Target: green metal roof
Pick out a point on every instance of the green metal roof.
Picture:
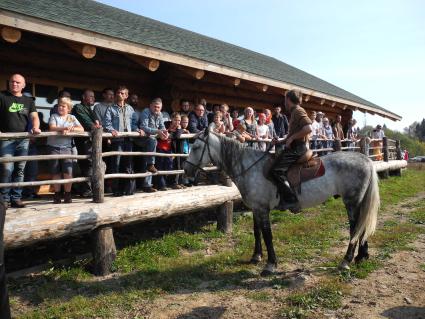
(117, 23)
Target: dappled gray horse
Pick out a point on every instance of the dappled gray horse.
(349, 175)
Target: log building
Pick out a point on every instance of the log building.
(77, 44)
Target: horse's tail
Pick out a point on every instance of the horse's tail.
(368, 215)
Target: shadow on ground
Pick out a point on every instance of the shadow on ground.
(204, 313)
(405, 312)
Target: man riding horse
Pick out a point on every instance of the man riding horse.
(295, 147)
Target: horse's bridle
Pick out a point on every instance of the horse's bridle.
(207, 147)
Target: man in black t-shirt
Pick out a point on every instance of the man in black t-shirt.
(16, 113)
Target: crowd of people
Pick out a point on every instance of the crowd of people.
(119, 111)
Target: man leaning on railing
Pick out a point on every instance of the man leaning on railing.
(17, 112)
(118, 119)
(88, 120)
(148, 123)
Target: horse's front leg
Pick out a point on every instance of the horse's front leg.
(258, 249)
(266, 230)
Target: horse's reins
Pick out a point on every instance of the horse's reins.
(207, 147)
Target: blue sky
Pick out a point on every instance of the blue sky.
(375, 49)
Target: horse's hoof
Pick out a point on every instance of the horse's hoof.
(344, 265)
(359, 259)
(269, 270)
(255, 259)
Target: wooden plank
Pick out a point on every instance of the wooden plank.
(9, 159)
(53, 29)
(44, 221)
(47, 182)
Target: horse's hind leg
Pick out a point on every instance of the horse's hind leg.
(258, 249)
(363, 252)
(349, 255)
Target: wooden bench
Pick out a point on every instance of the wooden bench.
(43, 220)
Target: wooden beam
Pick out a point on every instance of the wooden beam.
(11, 35)
(24, 227)
(193, 73)
(150, 64)
(236, 82)
(333, 104)
(306, 98)
(263, 87)
(322, 101)
(86, 50)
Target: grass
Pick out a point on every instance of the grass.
(208, 260)
(327, 294)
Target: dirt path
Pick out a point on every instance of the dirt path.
(396, 291)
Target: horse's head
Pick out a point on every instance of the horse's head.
(199, 155)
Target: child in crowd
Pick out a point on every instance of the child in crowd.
(227, 120)
(184, 149)
(65, 123)
(240, 132)
(167, 147)
(263, 131)
(217, 126)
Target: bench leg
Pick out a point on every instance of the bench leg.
(104, 250)
(225, 217)
(383, 174)
(396, 172)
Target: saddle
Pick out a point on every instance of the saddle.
(307, 167)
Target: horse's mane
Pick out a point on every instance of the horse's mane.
(233, 151)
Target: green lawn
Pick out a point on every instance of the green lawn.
(210, 260)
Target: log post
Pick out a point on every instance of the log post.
(104, 250)
(337, 145)
(397, 172)
(11, 35)
(385, 149)
(98, 167)
(225, 211)
(4, 298)
(398, 150)
(364, 148)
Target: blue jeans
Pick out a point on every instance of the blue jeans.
(13, 172)
(146, 144)
(164, 164)
(122, 164)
